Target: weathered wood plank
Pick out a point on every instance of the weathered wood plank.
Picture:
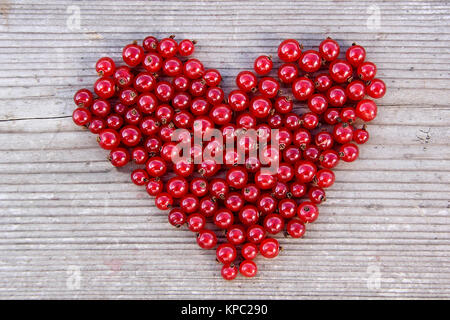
(63, 209)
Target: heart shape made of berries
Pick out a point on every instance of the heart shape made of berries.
(248, 162)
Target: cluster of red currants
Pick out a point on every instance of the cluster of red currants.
(140, 105)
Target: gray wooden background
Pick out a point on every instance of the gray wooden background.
(71, 226)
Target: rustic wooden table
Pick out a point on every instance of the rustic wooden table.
(74, 227)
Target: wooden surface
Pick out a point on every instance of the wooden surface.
(73, 227)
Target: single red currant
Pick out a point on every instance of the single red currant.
(167, 47)
(81, 116)
(154, 187)
(349, 152)
(263, 65)
(249, 215)
(226, 253)
(323, 82)
(329, 49)
(336, 96)
(223, 218)
(212, 77)
(139, 177)
(329, 159)
(105, 88)
(156, 167)
(177, 187)
(287, 208)
(105, 67)
(376, 89)
(305, 171)
(123, 77)
(133, 54)
(310, 61)
(269, 248)
(229, 272)
(302, 88)
(83, 98)
(317, 103)
(273, 223)
(177, 217)
(186, 47)
(289, 50)
(307, 212)
(366, 110)
(119, 157)
(108, 139)
(355, 55)
(236, 234)
(287, 72)
(249, 251)
(343, 132)
(340, 71)
(193, 69)
(195, 222)
(325, 178)
(238, 100)
(246, 81)
(256, 233)
(206, 239)
(361, 136)
(150, 44)
(316, 195)
(295, 228)
(367, 71)
(163, 201)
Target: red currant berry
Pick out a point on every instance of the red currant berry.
(343, 132)
(336, 96)
(214, 95)
(114, 121)
(172, 67)
(183, 119)
(250, 193)
(177, 217)
(164, 91)
(212, 77)
(340, 71)
(267, 204)
(104, 88)
(186, 47)
(302, 138)
(269, 248)
(81, 116)
(329, 49)
(246, 121)
(101, 108)
(139, 177)
(184, 167)
(280, 191)
(305, 171)
(310, 120)
(324, 140)
(295, 228)
(366, 110)
(289, 50)
(249, 251)
(287, 208)
(283, 105)
(196, 222)
(163, 201)
(329, 159)
(355, 90)
(307, 212)
(156, 167)
(83, 98)
(260, 106)
(139, 155)
(317, 103)
(193, 69)
(167, 47)
(229, 272)
(133, 54)
(238, 100)
(237, 178)
(199, 187)
(152, 62)
(316, 195)
(130, 135)
(376, 89)
(105, 67)
(292, 121)
(150, 44)
(226, 253)
(361, 136)
(96, 125)
(108, 139)
(302, 88)
(154, 187)
(297, 189)
(311, 153)
(325, 178)
(269, 87)
(246, 81)
(149, 126)
(234, 201)
(208, 207)
(180, 83)
(198, 88)
(292, 154)
(331, 116)
(206, 239)
(236, 234)
(199, 106)
(355, 55)
(128, 96)
(310, 61)
(119, 157)
(349, 152)
(367, 71)
(273, 223)
(285, 172)
(323, 82)
(189, 203)
(348, 114)
(223, 218)
(256, 233)
(263, 65)
(123, 77)
(177, 187)
(249, 215)
(287, 72)
(265, 180)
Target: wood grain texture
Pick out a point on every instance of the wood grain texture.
(65, 214)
